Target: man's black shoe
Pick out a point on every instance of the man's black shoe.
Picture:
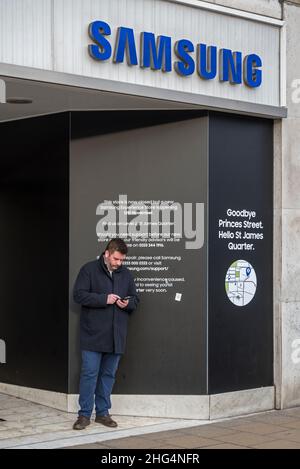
(106, 420)
(81, 423)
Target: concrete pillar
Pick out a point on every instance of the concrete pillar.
(290, 210)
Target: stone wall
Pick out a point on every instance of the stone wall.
(290, 291)
(262, 7)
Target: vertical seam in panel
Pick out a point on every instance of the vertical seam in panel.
(69, 245)
(207, 252)
(52, 35)
(282, 61)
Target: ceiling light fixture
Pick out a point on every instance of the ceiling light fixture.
(19, 101)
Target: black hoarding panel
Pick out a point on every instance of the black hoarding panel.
(34, 197)
(240, 253)
(135, 184)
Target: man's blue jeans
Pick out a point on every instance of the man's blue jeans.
(97, 378)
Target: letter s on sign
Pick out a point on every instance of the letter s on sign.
(296, 353)
(101, 50)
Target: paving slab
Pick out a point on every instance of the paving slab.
(28, 425)
(32, 426)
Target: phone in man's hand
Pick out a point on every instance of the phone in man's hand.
(125, 298)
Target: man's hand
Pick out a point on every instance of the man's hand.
(122, 303)
(112, 298)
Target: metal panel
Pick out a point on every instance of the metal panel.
(169, 335)
(34, 181)
(72, 17)
(53, 35)
(240, 321)
(25, 32)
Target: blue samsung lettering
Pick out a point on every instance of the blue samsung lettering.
(125, 42)
(97, 31)
(252, 74)
(157, 56)
(207, 61)
(187, 64)
(231, 66)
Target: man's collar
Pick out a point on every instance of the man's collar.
(107, 266)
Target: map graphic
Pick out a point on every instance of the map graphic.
(240, 283)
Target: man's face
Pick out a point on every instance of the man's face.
(114, 259)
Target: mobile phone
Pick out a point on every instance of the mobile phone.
(125, 298)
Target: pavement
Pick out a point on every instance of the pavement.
(26, 425)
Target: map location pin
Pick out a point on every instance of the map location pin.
(248, 271)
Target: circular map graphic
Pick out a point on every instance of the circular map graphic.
(240, 283)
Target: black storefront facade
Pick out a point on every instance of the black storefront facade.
(191, 190)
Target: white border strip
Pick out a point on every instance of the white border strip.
(283, 66)
(3, 101)
(201, 101)
(229, 11)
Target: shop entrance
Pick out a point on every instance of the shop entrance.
(204, 325)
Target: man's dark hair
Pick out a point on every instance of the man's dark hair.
(117, 244)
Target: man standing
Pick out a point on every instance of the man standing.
(107, 294)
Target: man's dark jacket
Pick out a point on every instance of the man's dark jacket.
(103, 327)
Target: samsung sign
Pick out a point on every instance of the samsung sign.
(207, 61)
